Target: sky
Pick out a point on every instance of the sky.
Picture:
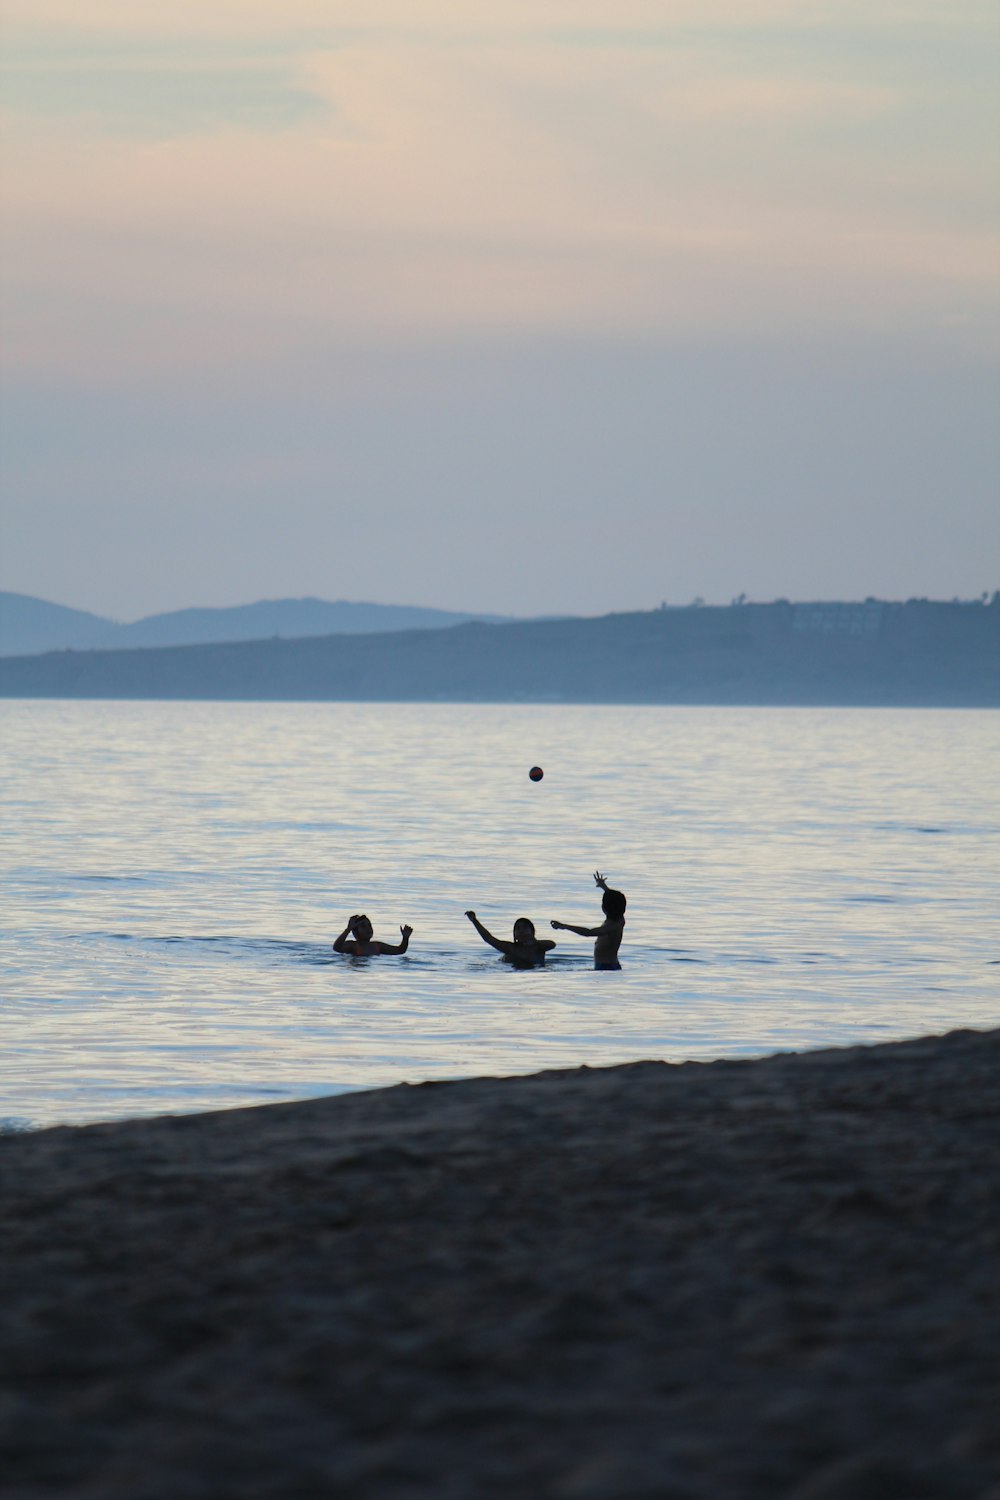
(565, 306)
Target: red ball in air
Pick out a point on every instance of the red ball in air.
(536, 773)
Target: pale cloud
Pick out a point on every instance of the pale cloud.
(339, 169)
(149, 97)
(248, 17)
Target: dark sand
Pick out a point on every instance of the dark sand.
(776, 1279)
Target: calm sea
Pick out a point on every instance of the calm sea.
(175, 872)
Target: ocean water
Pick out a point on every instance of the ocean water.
(174, 874)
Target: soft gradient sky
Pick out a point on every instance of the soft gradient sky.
(570, 305)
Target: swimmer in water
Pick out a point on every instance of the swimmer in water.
(609, 934)
(364, 945)
(525, 952)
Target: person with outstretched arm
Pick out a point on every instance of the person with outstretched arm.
(609, 935)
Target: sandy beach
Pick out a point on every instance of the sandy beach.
(775, 1279)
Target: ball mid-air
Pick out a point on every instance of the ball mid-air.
(536, 773)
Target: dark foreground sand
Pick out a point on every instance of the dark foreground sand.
(776, 1279)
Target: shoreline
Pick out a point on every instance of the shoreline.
(772, 1277)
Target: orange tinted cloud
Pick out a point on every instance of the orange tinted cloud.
(475, 183)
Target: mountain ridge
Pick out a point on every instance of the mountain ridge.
(919, 654)
(30, 626)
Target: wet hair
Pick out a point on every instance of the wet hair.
(613, 904)
(524, 922)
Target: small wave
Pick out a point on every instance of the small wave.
(949, 830)
(292, 826)
(98, 936)
(276, 948)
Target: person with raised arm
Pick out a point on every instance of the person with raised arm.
(525, 952)
(609, 935)
(364, 944)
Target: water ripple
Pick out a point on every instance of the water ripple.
(795, 878)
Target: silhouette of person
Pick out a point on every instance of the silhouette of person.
(525, 952)
(609, 934)
(364, 945)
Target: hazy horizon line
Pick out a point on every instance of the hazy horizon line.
(985, 596)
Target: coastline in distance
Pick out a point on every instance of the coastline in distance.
(874, 654)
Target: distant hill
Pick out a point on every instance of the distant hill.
(29, 625)
(918, 654)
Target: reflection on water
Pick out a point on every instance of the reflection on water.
(177, 872)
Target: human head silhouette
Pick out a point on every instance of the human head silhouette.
(613, 904)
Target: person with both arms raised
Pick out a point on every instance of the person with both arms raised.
(364, 944)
